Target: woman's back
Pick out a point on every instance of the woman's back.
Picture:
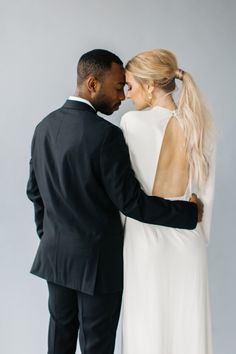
(157, 150)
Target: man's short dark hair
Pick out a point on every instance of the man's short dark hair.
(96, 63)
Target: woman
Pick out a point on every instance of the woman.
(165, 304)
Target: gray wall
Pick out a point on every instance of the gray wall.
(41, 42)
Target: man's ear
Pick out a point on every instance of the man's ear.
(92, 84)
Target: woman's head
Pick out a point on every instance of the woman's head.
(150, 75)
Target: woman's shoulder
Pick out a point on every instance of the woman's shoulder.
(128, 118)
(134, 116)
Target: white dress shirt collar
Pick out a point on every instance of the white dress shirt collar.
(79, 99)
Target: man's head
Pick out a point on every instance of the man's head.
(101, 80)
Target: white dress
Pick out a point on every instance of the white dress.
(165, 301)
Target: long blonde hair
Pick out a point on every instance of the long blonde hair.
(161, 66)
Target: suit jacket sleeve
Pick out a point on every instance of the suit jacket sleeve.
(125, 192)
(34, 195)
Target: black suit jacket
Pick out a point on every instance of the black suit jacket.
(80, 177)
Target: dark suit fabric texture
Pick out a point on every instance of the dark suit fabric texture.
(80, 177)
(95, 318)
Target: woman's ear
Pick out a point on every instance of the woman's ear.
(150, 86)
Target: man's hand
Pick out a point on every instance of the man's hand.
(200, 206)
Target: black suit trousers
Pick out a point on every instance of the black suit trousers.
(93, 317)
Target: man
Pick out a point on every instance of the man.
(80, 177)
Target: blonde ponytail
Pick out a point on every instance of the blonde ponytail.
(197, 124)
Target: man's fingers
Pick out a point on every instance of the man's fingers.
(193, 198)
(200, 206)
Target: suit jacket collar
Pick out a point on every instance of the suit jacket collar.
(80, 106)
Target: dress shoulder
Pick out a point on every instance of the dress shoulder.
(132, 117)
(127, 116)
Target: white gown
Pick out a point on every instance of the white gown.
(165, 301)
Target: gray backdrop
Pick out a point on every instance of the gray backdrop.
(41, 42)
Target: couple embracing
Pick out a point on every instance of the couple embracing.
(84, 171)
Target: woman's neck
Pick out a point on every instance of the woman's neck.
(164, 100)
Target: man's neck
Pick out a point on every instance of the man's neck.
(77, 97)
(81, 94)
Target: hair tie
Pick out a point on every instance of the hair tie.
(179, 73)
